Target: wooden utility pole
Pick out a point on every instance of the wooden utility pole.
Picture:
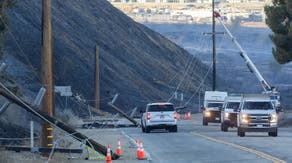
(96, 80)
(47, 73)
(214, 46)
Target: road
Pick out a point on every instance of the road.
(197, 143)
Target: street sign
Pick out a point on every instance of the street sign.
(64, 90)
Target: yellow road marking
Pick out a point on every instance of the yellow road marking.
(261, 154)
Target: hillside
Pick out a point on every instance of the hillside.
(136, 62)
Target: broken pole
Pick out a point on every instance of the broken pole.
(124, 114)
(96, 81)
(47, 73)
(55, 122)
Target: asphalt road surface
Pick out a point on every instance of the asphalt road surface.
(196, 143)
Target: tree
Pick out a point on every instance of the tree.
(279, 17)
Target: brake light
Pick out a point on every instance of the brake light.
(175, 116)
(148, 116)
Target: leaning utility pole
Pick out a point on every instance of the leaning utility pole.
(96, 80)
(47, 73)
(214, 46)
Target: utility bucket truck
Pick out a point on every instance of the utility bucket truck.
(213, 103)
(271, 91)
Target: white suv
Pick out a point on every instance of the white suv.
(159, 115)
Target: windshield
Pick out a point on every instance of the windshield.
(258, 106)
(215, 105)
(232, 105)
(159, 108)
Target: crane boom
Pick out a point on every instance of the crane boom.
(274, 94)
(243, 54)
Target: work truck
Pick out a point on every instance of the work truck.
(257, 114)
(213, 103)
(229, 112)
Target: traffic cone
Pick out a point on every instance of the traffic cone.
(119, 149)
(178, 116)
(189, 115)
(141, 155)
(138, 148)
(108, 155)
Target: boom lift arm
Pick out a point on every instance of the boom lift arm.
(244, 55)
(275, 97)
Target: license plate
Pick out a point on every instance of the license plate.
(162, 117)
(259, 125)
(216, 118)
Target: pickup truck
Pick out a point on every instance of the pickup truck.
(229, 112)
(159, 116)
(257, 114)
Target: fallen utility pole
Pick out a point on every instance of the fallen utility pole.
(124, 114)
(55, 122)
(41, 149)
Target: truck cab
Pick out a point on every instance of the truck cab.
(213, 103)
(229, 112)
(257, 114)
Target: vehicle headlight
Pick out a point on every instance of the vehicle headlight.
(226, 115)
(207, 113)
(244, 118)
(274, 118)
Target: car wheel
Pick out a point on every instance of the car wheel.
(173, 129)
(240, 133)
(274, 134)
(224, 127)
(205, 122)
(147, 129)
(143, 128)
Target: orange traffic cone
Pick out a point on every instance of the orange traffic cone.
(141, 155)
(189, 115)
(119, 149)
(138, 148)
(108, 155)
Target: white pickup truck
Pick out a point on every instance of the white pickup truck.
(159, 116)
(229, 112)
(257, 114)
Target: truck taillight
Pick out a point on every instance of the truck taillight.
(175, 116)
(148, 116)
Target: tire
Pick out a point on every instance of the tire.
(143, 128)
(224, 127)
(147, 129)
(240, 133)
(205, 122)
(274, 134)
(173, 129)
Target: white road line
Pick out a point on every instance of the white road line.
(134, 142)
(261, 154)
